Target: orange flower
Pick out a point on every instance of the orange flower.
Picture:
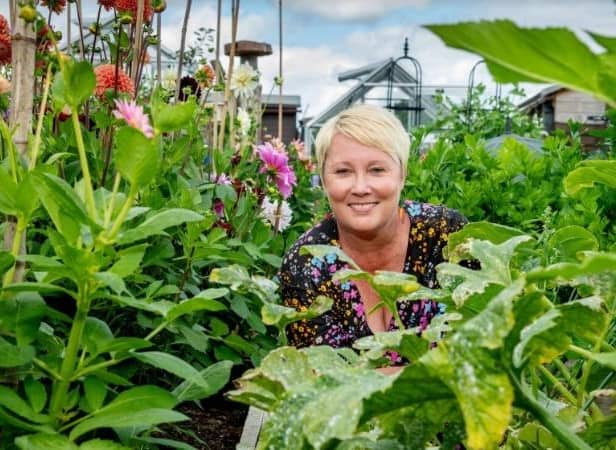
(106, 79)
(56, 6)
(5, 41)
(205, 76)
(130, 6)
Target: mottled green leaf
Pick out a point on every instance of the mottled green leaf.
(485, 231)
(551, 334)
(593, 263)
(495, 267)
(281, 316)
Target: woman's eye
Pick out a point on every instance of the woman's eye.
(377, 169)
(341, 171)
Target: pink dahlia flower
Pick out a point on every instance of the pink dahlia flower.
(276, 164)
(134, 116)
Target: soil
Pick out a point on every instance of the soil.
(215, 425)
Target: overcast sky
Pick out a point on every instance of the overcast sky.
(322, 38)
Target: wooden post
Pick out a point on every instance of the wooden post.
(22, 103)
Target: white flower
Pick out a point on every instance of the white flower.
(168, 80)
(244, 80)
(244, 119)
(269, 210)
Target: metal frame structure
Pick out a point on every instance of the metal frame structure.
(416, 108)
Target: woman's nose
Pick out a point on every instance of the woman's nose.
(360, 184)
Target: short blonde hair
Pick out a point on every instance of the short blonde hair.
(369, 125)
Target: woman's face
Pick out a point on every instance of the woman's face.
(363, 185)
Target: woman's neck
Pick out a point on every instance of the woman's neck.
(384, 250)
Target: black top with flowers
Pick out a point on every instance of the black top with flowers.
(304, 277)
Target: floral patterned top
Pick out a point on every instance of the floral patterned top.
(304, 277)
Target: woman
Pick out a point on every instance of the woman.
(362, 156)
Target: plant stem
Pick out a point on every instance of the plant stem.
(42, 365)
(39, 126)
(123, 213)
(83, 160)
(111, 206)
(60, 388)
(557, 428)
(157, 330)
(557, 384)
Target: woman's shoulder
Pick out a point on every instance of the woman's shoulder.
(420, 211)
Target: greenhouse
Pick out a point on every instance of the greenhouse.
(307, 225)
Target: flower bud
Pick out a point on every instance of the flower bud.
(27, 13)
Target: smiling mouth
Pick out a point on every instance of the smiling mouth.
(362, 207)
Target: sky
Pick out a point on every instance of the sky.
(322, 38)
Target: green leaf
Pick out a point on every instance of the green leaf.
(26, 198)
(36, 394)
(137, 157)
(121, 345)
(95, 392)
(607, 42)
(590, 172)
(95, 333)
(405, 342)
(63, 205)
(10, 400)
(44, 441)
(174, 365)
(131, 408)
(6, 261)
(140, 418)
(514, 54)
(172, 117)
(215, 377)
(204, 301)
(129, 260)
(157, 223)
(8, 193)
(161, 307)
(593, 263)
(79, 82)
(607, 359)
(570, 240)
(13, 355)
(27, 310)
(239, 280)
(111, 280)
(100, 444)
